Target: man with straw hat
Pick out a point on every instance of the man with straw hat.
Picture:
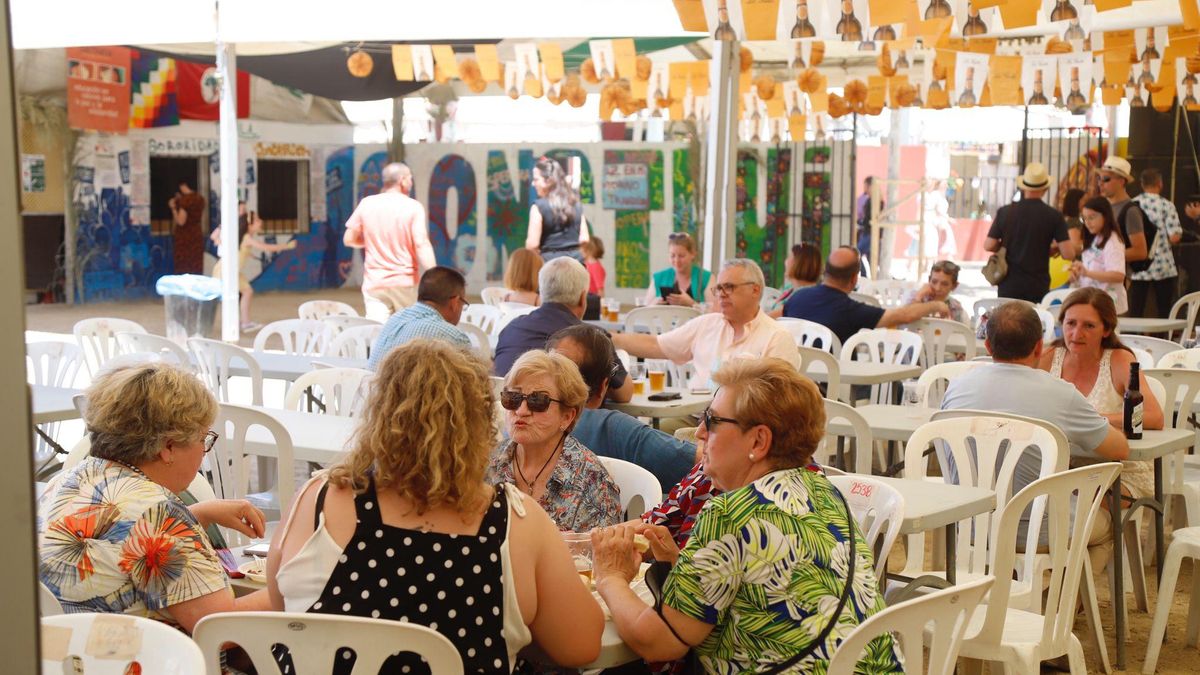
(1115, 177)
(1024, 231)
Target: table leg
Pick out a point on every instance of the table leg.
(952, 553)
(1118, 582)
(1159, 536)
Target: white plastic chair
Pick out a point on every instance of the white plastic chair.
(493, 295)
(864, 439)
(639, 488)
(354, 343)
(878, 510)
(1181, 480)
(932, 384)
(1184, 358)
(338, 323)
(1185, 543)
(812, 334)
(882, 345)
(507, 317)
(340, 390)
(519, 308)
(316, 310)
(936, 333)
(147, 343)
(865, 299)
(305, 337)
(1022, 639)
(890, 292)
(315, 641)
(948, 610)
(481, 342)
(769, 296)
(48, 605)
(227, 465)
(984, 305)
(659, 319)
(96, 337)
(52, 364)
(1143, 357)
(160, 649)
(213, 360)
(1189, 306)
(1052, 301)
(827, 363)
(485, 317)
(1049, 325)
(1157, 347)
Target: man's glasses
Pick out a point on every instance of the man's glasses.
(210, 439)
(538, 401)
(1105, 179)
(465, 302)
(727, 288)
(710, 420)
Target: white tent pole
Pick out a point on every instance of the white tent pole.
(227, 74)
(721, 166)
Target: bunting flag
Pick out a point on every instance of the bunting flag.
(152, 98)
(198, 91)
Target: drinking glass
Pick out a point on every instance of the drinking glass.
(911, 396)
(580, 546)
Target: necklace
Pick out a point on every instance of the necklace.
(131, 468)
(530, 483)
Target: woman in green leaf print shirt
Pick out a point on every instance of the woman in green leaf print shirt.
(765, 568)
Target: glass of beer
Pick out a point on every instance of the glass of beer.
(580, 546)
(637, 373)
(657, 374)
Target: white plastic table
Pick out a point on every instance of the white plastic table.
(868, 373)
(280, 366)
(315, 438)
(53, 404)
(888, 422)
(1149, 325)
(641, 405)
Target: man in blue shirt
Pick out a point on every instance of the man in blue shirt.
(441, 298)
(610, 433)
(563, 285)
(829, 303)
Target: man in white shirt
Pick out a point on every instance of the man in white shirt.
(739, 329)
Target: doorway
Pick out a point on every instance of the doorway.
(165, 174)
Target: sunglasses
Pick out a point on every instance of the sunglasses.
(1105, 179)
(538, 401)
(945, 266)
(710, 420)
(210, 439)
(677, 236)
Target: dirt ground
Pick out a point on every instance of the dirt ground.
(1175, 656)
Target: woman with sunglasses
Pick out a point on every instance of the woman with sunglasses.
(113, 533)
(774, 562)
(543, 397)
(684, 282)
(408, 528)
(943, 279)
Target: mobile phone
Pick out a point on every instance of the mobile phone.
(666, 291)
(665, 396)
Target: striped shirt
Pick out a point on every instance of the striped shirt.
(414, 323)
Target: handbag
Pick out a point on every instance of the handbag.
(656, 577)
(997, 267)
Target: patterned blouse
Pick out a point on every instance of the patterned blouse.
(678, 511)
(579, 495)
(111, 540)
(1165, 217)
(765, 566)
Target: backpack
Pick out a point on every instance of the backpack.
(1150, 230)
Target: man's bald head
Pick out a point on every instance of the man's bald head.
(841, 270)
(394, 173)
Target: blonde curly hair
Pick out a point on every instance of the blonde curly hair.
(132, 411)
(771, 392)
(427, 430)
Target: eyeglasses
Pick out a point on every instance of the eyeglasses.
(538, 401)
(210, 439)
(727, 288)
(1105, 179)
(710, 420)
(465, 302)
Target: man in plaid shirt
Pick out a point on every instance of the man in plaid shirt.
(1162, 276)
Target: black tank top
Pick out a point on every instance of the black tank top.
(556, 234)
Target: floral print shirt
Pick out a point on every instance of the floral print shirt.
(580, 494)
(765, 566)
(111, 540)
(1165, 217)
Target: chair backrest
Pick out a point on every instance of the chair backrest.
(1049, 324)
(306, 337)
(111, 644)
(865, 299)
(1052, 301)
(826, 363)
(316, 310)
(1143, 357)
(659, 319)
(1157, 347)
(485, 317)
(48, 605)
(52, 364)
(146, 343)
(639, 489)
(982, 450)
(213, 360)
(864, 439)
(96, 337)
(769, 296)
(1189, 307)
(226, 466)
(883, 345)
(338, 323)
(355, 342)
(481, 342)
(340, 390)
(937, 334)
(878, 510)
(1180, 389)
(493, 295)
(1184, 358)
(1072, 502)
(984, 305)
(506, 317)
(315, 641)
(812, 334)
(519, 308)
(949, 610)
(889, 292)
(932, 384)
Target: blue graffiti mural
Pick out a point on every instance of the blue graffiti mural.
(453, 172)
(116, 260)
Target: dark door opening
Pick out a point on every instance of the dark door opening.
(165, 174)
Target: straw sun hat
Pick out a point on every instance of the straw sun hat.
(1035, 177)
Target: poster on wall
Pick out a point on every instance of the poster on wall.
(33, 173)
(626, 186)
(633, 248)
(98, 88)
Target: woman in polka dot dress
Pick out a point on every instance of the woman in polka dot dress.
(406, 529)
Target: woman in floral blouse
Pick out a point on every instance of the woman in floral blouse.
(543, 397)
(765, 567)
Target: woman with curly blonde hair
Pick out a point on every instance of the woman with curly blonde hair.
(405, 528)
